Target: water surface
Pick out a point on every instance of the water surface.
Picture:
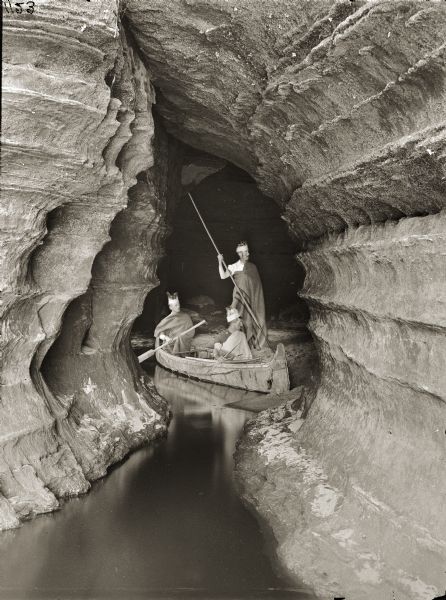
(167, 523)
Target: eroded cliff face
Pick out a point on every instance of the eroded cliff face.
(72, 147)
(363, 514)
(337, 109)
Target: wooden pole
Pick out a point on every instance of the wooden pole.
(150, 353)
(248, 308)
(232, 349)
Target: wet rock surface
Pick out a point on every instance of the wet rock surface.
(72, 148)
(354, 491)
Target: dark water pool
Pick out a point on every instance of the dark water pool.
(167, 523)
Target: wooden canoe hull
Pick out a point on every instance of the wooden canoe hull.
(267, 376)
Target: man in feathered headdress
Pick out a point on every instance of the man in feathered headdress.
(247, 292)
(174, 324)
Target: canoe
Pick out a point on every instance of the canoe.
(171, 385)
(266, 375)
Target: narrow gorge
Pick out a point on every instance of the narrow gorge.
(331, 115)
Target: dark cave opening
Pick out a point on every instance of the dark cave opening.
(233, 209)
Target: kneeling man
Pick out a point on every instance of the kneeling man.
(232, 344)
(174, 324)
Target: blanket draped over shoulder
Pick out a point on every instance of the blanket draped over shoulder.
(236, 346)
(250, 286)
(173, 325)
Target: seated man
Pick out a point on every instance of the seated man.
(174, 324)
(232, 344)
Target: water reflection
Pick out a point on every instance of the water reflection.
(166, 523)
(200, 405)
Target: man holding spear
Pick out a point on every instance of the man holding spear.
(247, 296)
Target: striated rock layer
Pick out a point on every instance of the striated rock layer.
(72, 147)
(336, 108)
(355, 491)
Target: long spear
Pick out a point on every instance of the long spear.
(150, 353)
(248, 308)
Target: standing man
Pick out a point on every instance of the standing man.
(247, 291)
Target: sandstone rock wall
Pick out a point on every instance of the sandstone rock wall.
(363, 516)
(336, 108)
(71, 149)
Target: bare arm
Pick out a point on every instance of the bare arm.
(224, 273)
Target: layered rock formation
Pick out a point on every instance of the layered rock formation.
(326, 104)
(337, 109)
(71, 149)
(363, 515)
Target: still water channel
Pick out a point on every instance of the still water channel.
(167, 523)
